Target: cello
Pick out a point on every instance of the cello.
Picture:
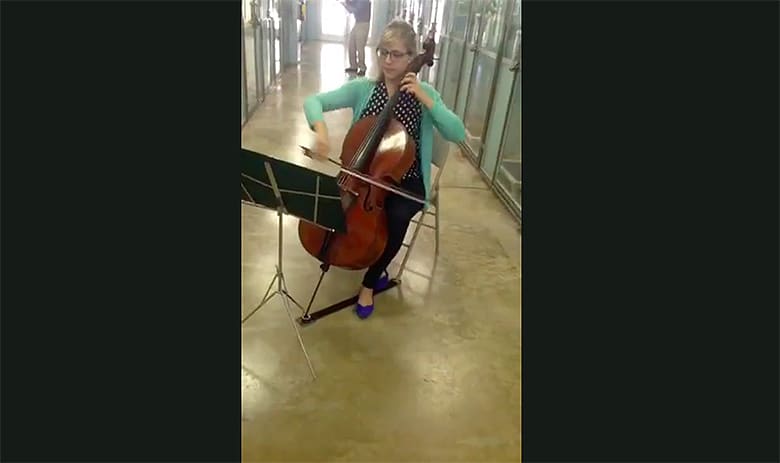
(376, 153)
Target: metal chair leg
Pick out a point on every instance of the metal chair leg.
(436, 217)
(410, 246)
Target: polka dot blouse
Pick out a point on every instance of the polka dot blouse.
(408, 112)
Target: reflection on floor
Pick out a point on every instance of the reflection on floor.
(434, 374)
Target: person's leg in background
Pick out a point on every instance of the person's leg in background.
(352, 49)
(360, 37)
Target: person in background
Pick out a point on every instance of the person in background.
(420, 109)
(361, 10)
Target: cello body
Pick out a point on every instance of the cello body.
(363, 203)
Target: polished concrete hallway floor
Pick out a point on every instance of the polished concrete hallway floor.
(434, 374)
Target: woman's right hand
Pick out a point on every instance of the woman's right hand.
(321, 142)
(321, 146)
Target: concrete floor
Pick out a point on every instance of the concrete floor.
(434, 374)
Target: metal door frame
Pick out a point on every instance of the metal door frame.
(516, 66)
(505, 196)
(244, 93)
(259, 62)
(269, 22)
(515, 209)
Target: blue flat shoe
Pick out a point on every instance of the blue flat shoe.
(364, 311)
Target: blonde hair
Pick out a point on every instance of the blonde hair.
(399, 30)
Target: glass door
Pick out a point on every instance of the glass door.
(276, 23)
(266, 68)
(509, 173)
(467, 61)
(508, 67)
(250, 68)
(289, 33)
(244, 102)
(442, 42)
(426, 24)
(257, 33)
(454, 40)
(435, 23)
(482, 61)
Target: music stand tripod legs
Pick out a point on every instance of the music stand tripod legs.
(281, 290)
(296, 191)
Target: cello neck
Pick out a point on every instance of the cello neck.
(374, 136)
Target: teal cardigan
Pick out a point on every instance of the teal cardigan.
(355, 94)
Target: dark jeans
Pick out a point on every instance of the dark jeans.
(400, 212)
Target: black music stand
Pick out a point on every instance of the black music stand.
(293, 190)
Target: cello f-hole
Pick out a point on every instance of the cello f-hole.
(367, 202)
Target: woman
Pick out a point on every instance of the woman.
(419, 109)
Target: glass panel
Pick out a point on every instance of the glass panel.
(246, 8)
(492, 22)
(460, 19)
(438, 16)
(476, 109)
(267, 65)
(278, 45)
(452, 71)
(414, 12)
(510, 173)
(445, 6)
(249, 57)
(259, 61)
(498, 114)
(395, 8)
(464, 86)
(410, 11)
(243, 81)
(513, 32)
(274, 14)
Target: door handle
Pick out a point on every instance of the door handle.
(515, 67)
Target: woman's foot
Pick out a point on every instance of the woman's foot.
(384, 282)
(365, 303)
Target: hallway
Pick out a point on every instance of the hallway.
(434, 374)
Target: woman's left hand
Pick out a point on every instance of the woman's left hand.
(409, 84)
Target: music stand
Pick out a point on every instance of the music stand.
(292, 190)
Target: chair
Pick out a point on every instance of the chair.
(440, 152)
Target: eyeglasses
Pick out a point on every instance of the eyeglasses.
(394, 55)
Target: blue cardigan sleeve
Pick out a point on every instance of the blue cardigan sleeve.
(342, 97)
(446, 122)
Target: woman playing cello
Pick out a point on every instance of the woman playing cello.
(419, 110)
